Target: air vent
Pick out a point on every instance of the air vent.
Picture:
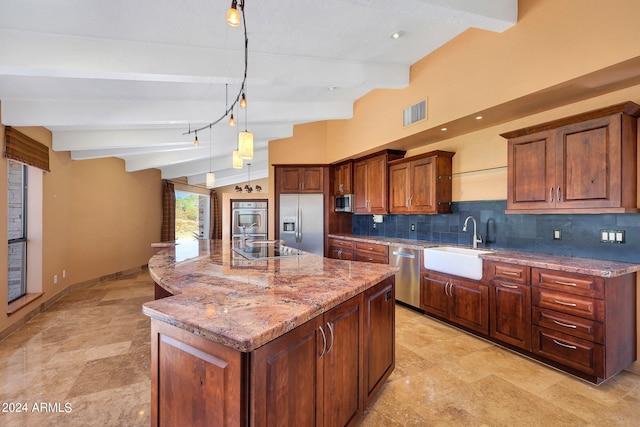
(415, 113)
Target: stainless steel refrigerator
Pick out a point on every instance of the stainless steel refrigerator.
(302, 222)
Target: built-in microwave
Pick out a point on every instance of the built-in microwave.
(343, 203)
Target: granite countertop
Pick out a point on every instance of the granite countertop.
(244, 304)
(588, 266)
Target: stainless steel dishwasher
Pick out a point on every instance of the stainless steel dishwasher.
(408, 278)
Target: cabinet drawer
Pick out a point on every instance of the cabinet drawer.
(340, 253)
(508, 272)
(372, 257)
(372, 247)
(340, 243)
(572, 325)
(566, 282)
(571, 304)
(576, 353)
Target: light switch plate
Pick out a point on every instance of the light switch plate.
(557, 234)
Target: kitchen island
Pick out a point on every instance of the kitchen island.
(294, 339)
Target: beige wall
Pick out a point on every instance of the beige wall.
(97, 220)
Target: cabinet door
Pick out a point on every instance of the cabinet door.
(343, 396)
(312, 180)
(510, 317)
(342, 179)
(531, 171)
(423, 186)
(588, 162)
(360, 204)
(379, 333)
(377, 184)
(399, 188)
(434, 297)
(288, 371)
(470, 305)
(289, 181)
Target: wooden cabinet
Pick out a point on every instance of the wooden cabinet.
(342, 178)
(300, 179)
(194, 381)
(461, 301)
(509, 303)
(345, 248)
(371, 252)
(379, 332)
(323, 373)
(370, 182)
(584, 323)
(421, 184)
(341, 249)
(581, 164)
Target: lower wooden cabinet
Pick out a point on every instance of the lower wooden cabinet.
(509, 303)
(347, 249)
(464, 302)
(322, 373)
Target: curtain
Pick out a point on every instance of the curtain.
(215, 217)
(23, 149)
(168, 233)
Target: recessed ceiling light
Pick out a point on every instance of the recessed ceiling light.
(397, 35)
(331, 88)
(443, 129)
(478, 117)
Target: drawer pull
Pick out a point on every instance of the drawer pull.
(566, 325)
(572, 347)
(558, 282)
(510, 273)
(568, 304)
(504, 285)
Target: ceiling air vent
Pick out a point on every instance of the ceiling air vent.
(415, 113)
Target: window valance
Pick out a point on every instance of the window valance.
(24, 149)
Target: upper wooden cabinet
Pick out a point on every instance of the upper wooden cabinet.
(581, 164)
(421, 184)
(300, 179)
(370, 182)
(342, 178)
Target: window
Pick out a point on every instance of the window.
(17, 229)
(192, 216)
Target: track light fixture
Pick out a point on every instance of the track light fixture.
(243, 101)
(232, 121)
(195, 141)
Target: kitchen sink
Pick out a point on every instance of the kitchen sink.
(464, 262)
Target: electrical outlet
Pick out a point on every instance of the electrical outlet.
(413, 227)
(55, 279)
(64, 274)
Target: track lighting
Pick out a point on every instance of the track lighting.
(243, 101)
(233, 16)
(195, 141)
(232, 121)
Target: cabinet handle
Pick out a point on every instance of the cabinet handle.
(504, 285)
(339, 253)
(330, 330)
(324, 342)
(566, 325)
(559, 194)
(572, 347)
(550, 194)
(302, 185)
(387, 296)
(340, 188)
(410, 201)
(558, 282)
(510, 273)
(568, 304)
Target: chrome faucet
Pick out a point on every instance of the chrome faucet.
(244, 232)
(476, 238)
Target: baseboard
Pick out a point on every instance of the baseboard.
(634, 367)
(49, 302)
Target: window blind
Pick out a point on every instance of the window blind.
(24, 149)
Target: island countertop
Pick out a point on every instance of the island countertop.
(244, 304)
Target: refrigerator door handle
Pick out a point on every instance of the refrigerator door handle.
(299, 238)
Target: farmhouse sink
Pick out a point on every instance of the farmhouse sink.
(464, 262)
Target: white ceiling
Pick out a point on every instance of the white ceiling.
(127, 79)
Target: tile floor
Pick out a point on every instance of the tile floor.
(86, 360)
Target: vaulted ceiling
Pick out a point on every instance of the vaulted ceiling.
(128, 79)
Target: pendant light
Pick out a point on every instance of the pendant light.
(195, 141)
(210, 179)
(237, 161)
(233, 16)
(245, 140)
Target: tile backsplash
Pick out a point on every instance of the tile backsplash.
(580, 233)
